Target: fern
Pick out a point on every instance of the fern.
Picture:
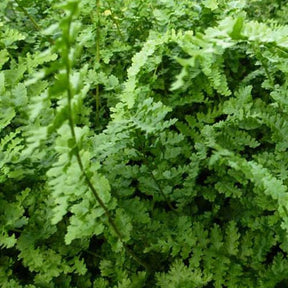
(143, 144)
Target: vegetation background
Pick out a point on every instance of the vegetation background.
(143, 143)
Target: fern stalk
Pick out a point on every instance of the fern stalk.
(98, 34)
(115, 21)
(32, 20)
(162, 193)
(264, 65)
(80, 162)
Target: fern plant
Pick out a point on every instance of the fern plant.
(154, 159)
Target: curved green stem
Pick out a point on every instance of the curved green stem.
(80, 162)
(115, 22)
(32, 20)
(264, 65)
(157, 184)
(162, 192)
(98, 60)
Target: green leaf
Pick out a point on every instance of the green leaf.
(211, 4)
(237, 29)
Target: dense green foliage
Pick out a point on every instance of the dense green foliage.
(143, 143)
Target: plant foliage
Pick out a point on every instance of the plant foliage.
(143, 144)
